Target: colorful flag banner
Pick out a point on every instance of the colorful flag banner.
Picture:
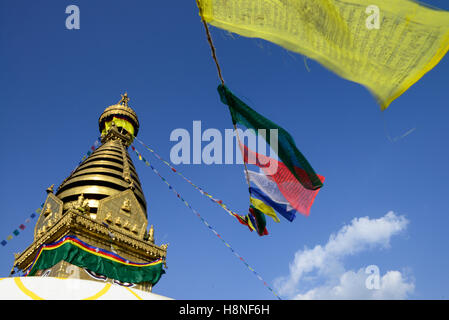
(385, 45)
(243, 221)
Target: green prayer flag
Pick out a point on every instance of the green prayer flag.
(287, 151)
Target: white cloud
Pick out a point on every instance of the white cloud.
(323, 265)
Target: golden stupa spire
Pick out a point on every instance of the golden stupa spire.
(101, 202)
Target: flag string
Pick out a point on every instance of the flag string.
(22, 226)
(89, 152)
(200, 190)
(208, 225)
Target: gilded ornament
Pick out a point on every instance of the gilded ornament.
(126, 225)
(47, 210)
(108, 217)
(151, 234)
(126, 205)
(50, 189)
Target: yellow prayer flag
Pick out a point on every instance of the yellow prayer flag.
(266, 209)
(385, 45)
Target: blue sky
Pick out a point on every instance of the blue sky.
(55, 83)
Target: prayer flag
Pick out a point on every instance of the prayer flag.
(385, 45)
(287, 151)
(264, 208)
(279, 185)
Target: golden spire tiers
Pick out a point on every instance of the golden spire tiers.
(109, 170)
(101, 203)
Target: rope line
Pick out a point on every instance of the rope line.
(211, 44)
(200, 190)
(170, 187)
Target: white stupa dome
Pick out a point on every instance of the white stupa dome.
(49, 288)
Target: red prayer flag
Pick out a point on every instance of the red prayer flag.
(299, 197)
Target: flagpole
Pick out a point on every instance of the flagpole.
(214, 56)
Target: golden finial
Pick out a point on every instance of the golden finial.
(124, 100)
(50, 189)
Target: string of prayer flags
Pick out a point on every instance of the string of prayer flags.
(208, 225)
(243, 220)
(22, 227)
(92, 149)
(386, 46)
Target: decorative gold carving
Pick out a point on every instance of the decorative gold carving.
(151, 234)
(74, 223)
(82, 204)
(47, 210)
(126, 170)
(118, 221)
(126, 225)
(126, 205)
(108, 217)
(53, 207)
(124, 100)
(165, 246)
